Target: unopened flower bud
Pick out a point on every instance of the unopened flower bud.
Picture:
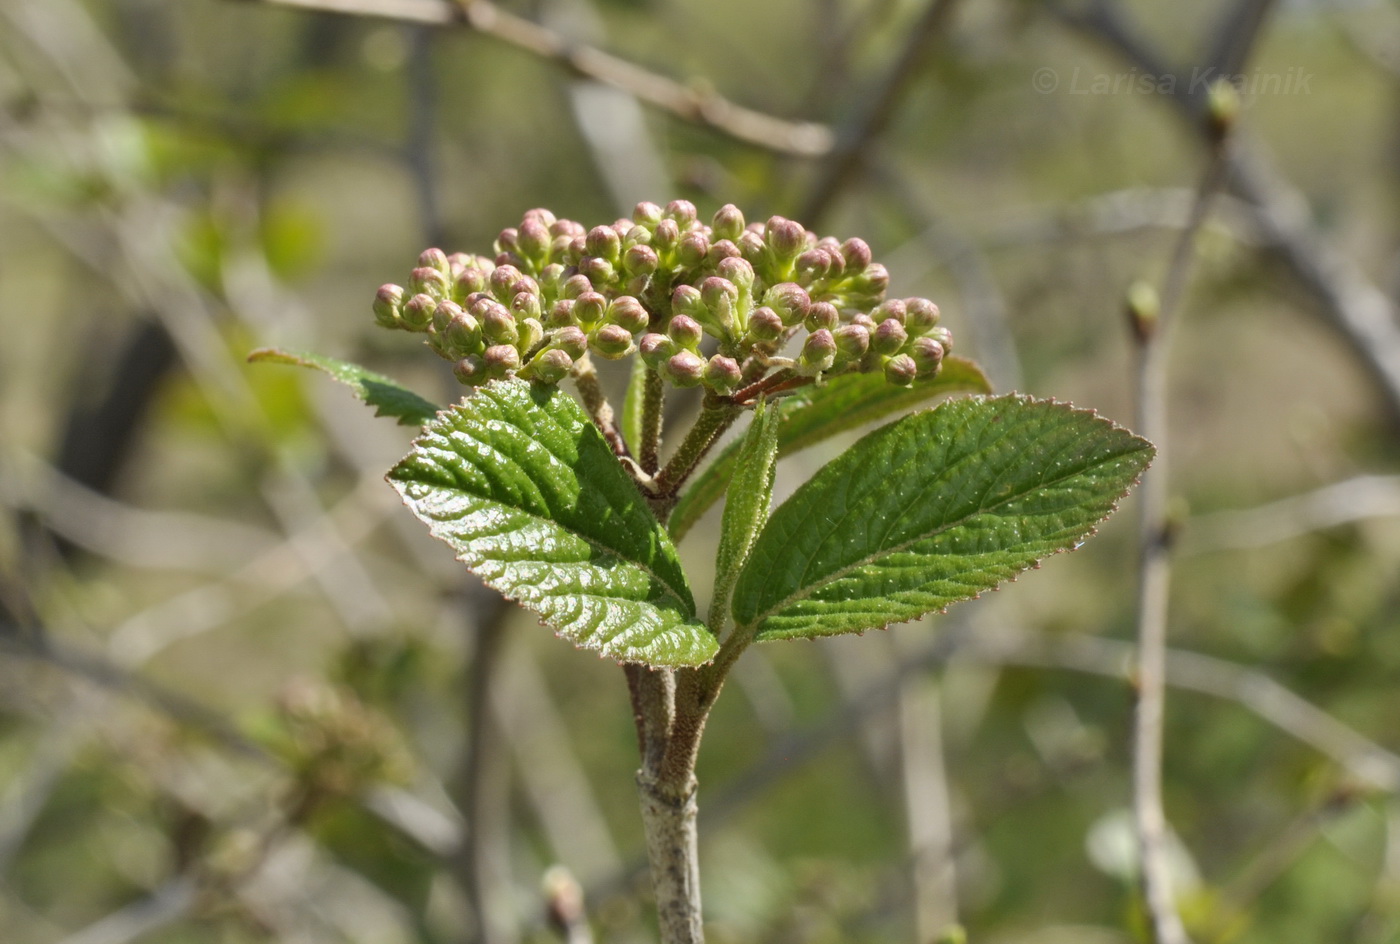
(721, 297)
(548, 366)
(611, 341)
(864, 320)
(928, 356)
(599, 271)
(531, 334)
(682, 211)
(920, 315)
(856, 253)
(822, 315)
(812, 265)
(786, 238)
(685, 331)
(526, 305)
(818, 351)
(738, 271)
(835, 260)
(656, 349)
(604, 243)
(434, 259)
(728, 222)
(889, 336)
(646, 214)
(417, 312)
(576, 285)
(639, 260)
(463, 334)
(723, 249)
(873, 281)
(469, 281)
(571, 340)
(753, 248)
(894, 308)
(852, 341)
(426, 280)
(628, 313)
(636, 236)
(470, 370)
(534, 240)
(686, 300)
(569, 228)
(589, 308)
(764, 325)
(443, 314)
(388, 303)
(497, 324)
(693, 248)
(790, 301)
(944, 337)
(722, 374)
(507, 241)
(561, 313)
(543, 215)
(501, 359)
(666, 235)
(457, 263)
(901, 370)
(684, 369)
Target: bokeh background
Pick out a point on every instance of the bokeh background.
(211, 602)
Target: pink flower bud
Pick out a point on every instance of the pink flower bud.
(612, 342)
(822, 315)
(388, 303)
(684, 369)
(728, 223)
(901, 370)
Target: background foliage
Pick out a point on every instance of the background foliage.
(243, 698)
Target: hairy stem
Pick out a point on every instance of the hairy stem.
(714, 419)
(596, 403)
(653, 393)
(668, 819)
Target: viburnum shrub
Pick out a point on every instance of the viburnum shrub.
(566, 506)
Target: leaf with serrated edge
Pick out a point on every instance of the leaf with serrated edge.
(745, 505)
(817, 413)
(934, 508)
(632, 406)
(386, 396)
(520, 483)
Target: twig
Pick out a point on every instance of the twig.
(692, 102)
(1356, 499)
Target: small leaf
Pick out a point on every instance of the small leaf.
(932, 509)
(632, 406)
(386, 396)
(520, 483)
(817, 413)
(745, 505)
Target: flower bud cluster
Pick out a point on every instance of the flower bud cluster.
(705, 305)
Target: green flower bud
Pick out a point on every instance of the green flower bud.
(686, 300)
(738, 271)
(548, 366)
(388, 303)
(721, 298)
(640, 260)
(818, 352)
(928, 356)
(629, 314)
(576, 285)
(470, 370)
(852, 341)
(552, 280)
(646, 214)
(753, 248)
(665, 237)
(835, 261)
(571, 340)
(603, 243)
(504, 280)
(786, 238)
(682, 211)
(534, 240)
(525, 305)
(469, 281)
(426, 280)
(889, 336)
(921, 315)
(600, 272)
(693, 248)
(722, 374)
(764, 325)
(812, 266)
(901, 370)
(417, 312)
(822, 315)
(944, 337)
(892, 309)
(435, 259)
(589, 309)
(531, 334)
(500, 359)
(790, 301)
(461, 335)
(656, 349)
(684, 369)
(856, 253)
(612, 342)
(507, 242)
(685, 331)
(728, 223)
(497, 324)
(872, 282)
(636, 236)
(723, 249)
(561, 313)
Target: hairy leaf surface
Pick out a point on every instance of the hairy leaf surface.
(932, 509)
(817, 413)
(386, 396)
(520, 483)
(745, 505)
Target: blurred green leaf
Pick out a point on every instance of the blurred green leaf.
(520, 483)
(932, 509)
(746, 504)
(386, 396)
(818, 413)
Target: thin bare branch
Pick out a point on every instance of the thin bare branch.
(1356, 499)
(695, 102)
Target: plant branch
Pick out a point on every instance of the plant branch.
(693, 101)
(653, 399)
(715, 417)
(596, 403)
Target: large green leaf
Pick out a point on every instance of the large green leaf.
(932, 509)
(386, 396)
(816, 413)
(520, 483)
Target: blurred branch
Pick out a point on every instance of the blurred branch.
(869, 120)
(694, 102)
(1356, 499)
(166, 905)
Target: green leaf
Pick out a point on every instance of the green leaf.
(932, 509)
(817, 413)
(745, 505)
(520, 483)
(386, 396)
(632, 406)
